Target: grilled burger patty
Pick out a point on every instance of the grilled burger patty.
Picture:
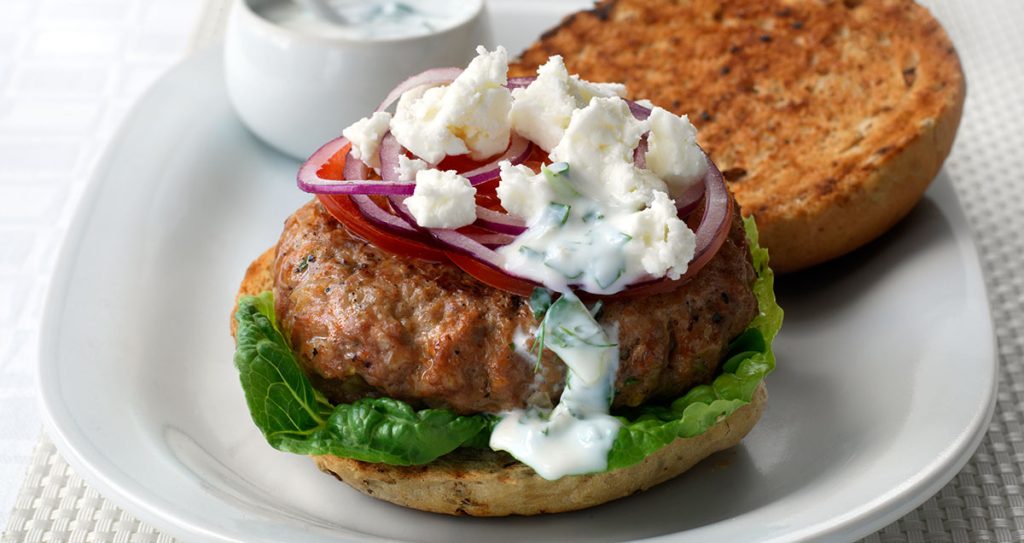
(365, 322)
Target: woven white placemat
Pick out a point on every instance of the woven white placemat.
(69, 72)
(982, 503)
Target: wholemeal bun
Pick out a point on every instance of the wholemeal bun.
(484, 483)
(488, 483)
(829, 119)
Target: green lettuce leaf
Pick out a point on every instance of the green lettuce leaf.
(748, 360)
(294, 417)
(283, 403)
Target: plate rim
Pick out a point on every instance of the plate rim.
(49, 401)
(856, 523)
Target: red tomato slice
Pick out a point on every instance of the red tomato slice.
(345, 211)
(490, 276)
(459, 163)
(334, 168)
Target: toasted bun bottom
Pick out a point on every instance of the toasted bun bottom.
(485, 483)
(491, 484)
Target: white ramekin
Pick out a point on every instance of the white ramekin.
(296, 91)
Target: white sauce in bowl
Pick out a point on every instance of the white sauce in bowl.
(370, 19)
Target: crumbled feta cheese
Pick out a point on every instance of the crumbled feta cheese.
(599, 222)
(588, 89)
(468, 116)
(661, 242)
(523, 193)
(409, 167)
(630, 187)
(420, 126)
(596, 222)
(365, 135)
(541, 111)
(672, 152)
(603, 132)
(599, 145)
(442, 200)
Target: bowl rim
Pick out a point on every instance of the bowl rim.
(242, 10)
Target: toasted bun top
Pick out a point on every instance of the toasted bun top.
(828, 118)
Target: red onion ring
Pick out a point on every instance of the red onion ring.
(440, 76)
(639, 112)
(520, 82)
(714, 224)
(403, 211)
(432, 77)
(354, 168)
(489, 240)
(640, 153)
(389, 151)
(358, 186)
(355, 173)
(518, 150)
(461, 243)
(688, 200)
(382, 218)
(309, 171)
(492, 240)
(502, 223)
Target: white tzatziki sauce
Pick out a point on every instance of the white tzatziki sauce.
(574, 437)
(369, 19)
(596, 220)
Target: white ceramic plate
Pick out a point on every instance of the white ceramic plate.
(884, 387)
